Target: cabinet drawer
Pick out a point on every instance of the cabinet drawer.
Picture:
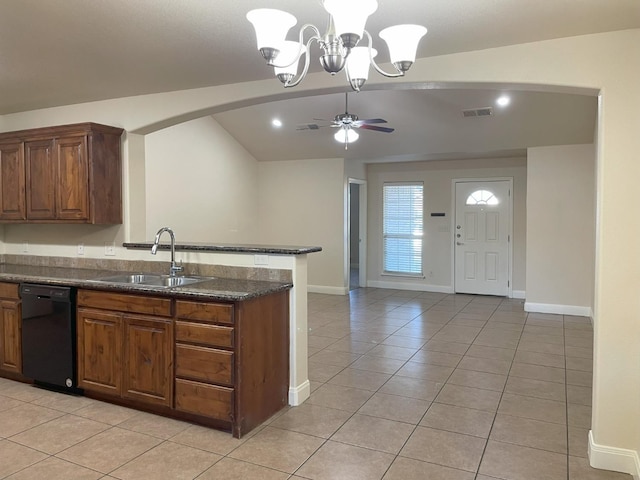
(125, 303)
(206, 364)
(9, 290)
(204, 312)
(213, 335)
(202, 399)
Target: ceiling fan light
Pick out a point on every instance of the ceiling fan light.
(288, 59)
(349, 17)
(346, 135)
(402, 41)
(271, 28)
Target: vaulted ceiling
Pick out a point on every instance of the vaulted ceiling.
(60, 52)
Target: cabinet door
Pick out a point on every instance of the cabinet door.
(100, 351)
(12, 182)
(10, 336)
(148, 360)
(72, 176)
(40, 180)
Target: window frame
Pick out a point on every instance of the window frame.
(411, 271)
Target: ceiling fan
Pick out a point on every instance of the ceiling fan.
(347, 123)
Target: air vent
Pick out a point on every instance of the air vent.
(478, 112)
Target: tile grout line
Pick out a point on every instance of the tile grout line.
(566, 394)
(484, 450)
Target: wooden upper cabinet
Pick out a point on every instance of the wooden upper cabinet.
(72, 178)
(66, 174)
(41, 182)
(12, 182)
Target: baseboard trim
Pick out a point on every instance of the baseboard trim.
(612, 458)
(519, 294)
(327, 290)
(419, 287)
(299, 394)
(557, 309)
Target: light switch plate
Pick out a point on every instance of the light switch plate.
(261, 259)
(81, 249)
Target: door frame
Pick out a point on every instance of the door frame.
(362, 250)
(453, 227)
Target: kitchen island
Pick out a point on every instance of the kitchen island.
(214, 352)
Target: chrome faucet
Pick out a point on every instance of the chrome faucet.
(174, 268)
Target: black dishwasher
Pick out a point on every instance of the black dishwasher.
(49, 335)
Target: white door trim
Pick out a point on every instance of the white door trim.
(363, 232)
(453, 226)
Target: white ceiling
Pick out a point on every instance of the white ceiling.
(428, 124)
(58, 52)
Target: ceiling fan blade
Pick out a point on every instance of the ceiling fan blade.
(308, 126)
(315, 126)
(372, 120)
(377, 129)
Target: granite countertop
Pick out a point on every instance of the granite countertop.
(232, 248)
(213, 288)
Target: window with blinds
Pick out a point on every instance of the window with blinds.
(403, 228)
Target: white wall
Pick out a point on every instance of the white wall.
(202, 183)
(437, 177)
(302, 203)
(560, 229)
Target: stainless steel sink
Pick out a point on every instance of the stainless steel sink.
(129, 278)
(151, 279)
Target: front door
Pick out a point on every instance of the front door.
(482, 236)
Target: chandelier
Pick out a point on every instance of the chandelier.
(340, 45)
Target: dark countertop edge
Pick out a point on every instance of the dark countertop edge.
(190, 291)
(264, 249)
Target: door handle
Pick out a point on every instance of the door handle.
(459, 243)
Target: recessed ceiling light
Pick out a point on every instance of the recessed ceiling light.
(276, 123)
(503, 101)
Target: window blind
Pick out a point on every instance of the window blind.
(403, 207)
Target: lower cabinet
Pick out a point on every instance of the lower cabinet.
(232, 360)
(148, 360)
(99, 351)
(212, 401)
(10, 328)
(123, 354)
(221, 364)
(205, 363)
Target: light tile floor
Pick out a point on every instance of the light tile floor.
(405, 385)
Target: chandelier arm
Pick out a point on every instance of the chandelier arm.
(307, 61)
(301, 43)
(398, 73)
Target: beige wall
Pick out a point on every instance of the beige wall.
(560, 228)
(437, 177)
(302, 203)
(604, 63)
(202, 183)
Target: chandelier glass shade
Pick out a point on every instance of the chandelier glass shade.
(341, 46)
